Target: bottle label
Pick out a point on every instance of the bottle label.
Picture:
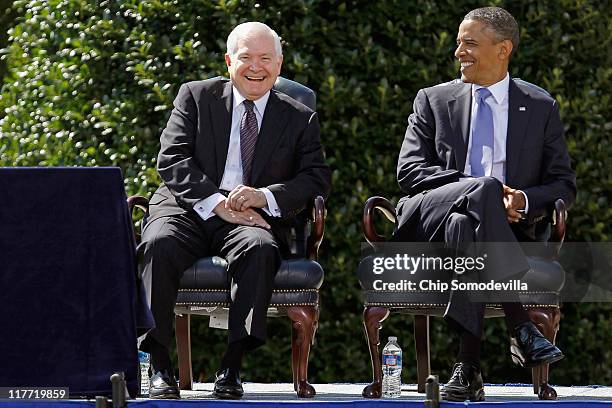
(392, 360)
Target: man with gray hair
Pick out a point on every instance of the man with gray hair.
(482, 160)
(237, 161)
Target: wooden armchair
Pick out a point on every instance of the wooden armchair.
(204, 290)
(543, 308)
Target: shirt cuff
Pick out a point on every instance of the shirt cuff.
(526, 210)
(205, 207)
(272, 208)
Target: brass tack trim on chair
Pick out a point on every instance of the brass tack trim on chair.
(294, 290)
(431, 291)
(497, 305)
(274, 291)
(406, 304)
(203, 290)
(539, 293)
(426, 305)
(396, 291)
(202, 304)
(293, 304)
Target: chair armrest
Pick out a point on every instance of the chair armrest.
(384, 206)
(141, 202)
(318, 228)
(558, 231)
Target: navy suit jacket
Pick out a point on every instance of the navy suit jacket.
(435, 147)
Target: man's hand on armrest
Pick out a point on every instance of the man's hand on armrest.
(514, 202)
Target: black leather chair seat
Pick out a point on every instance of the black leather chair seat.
(206, 283)
(544, 280)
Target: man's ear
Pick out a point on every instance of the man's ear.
(228, 60)
(505, 49)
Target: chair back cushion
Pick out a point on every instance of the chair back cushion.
(297, 91)
(306, 96)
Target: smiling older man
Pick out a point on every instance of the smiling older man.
(237, 160)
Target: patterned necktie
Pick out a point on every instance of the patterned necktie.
(482, 134)
(248, 139)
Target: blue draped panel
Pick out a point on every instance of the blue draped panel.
(67, 280)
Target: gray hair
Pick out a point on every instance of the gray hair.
(499, 21)
(244, 28)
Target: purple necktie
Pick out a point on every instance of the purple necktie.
(482, 133)
(248, 139)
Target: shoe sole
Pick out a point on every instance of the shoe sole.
(518, 360)
(165, 396)
(460, 397)
(456, 397)
(223, 395)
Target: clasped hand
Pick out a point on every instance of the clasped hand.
(238, 207)
(513, 200)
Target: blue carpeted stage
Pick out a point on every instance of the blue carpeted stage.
(364, 404)
(348, 395)
(311, 404)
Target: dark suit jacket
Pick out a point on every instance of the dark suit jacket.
(435, 147)
(288, 157)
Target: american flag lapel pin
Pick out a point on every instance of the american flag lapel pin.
(522, 109)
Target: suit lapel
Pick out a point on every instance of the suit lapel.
(272, 127)
(518, 118)
(221, 114)
(459, 107)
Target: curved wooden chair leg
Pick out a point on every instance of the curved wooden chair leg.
(183, 349)
(295, 357)
(421, 344)
(373, 316)
(536, 378)
(304, 322)
(547, 320)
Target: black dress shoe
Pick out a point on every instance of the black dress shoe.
(228, 384)
(464, 384)
(529, 348)
(162, 385)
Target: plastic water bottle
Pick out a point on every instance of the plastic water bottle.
(392, 369)
(145, 363)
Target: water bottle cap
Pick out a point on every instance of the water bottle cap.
(392, 338)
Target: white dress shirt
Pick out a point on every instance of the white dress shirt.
(498, 103)
(232, 174)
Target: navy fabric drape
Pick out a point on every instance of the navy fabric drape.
(68, 284)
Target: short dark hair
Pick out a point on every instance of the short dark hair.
(500, 21)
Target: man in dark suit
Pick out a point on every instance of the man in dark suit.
(238, 160)
(482, 161)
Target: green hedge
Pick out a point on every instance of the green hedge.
(92, 83)
(7, 16)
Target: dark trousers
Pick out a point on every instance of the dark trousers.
(461, 214)
(172, 244)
